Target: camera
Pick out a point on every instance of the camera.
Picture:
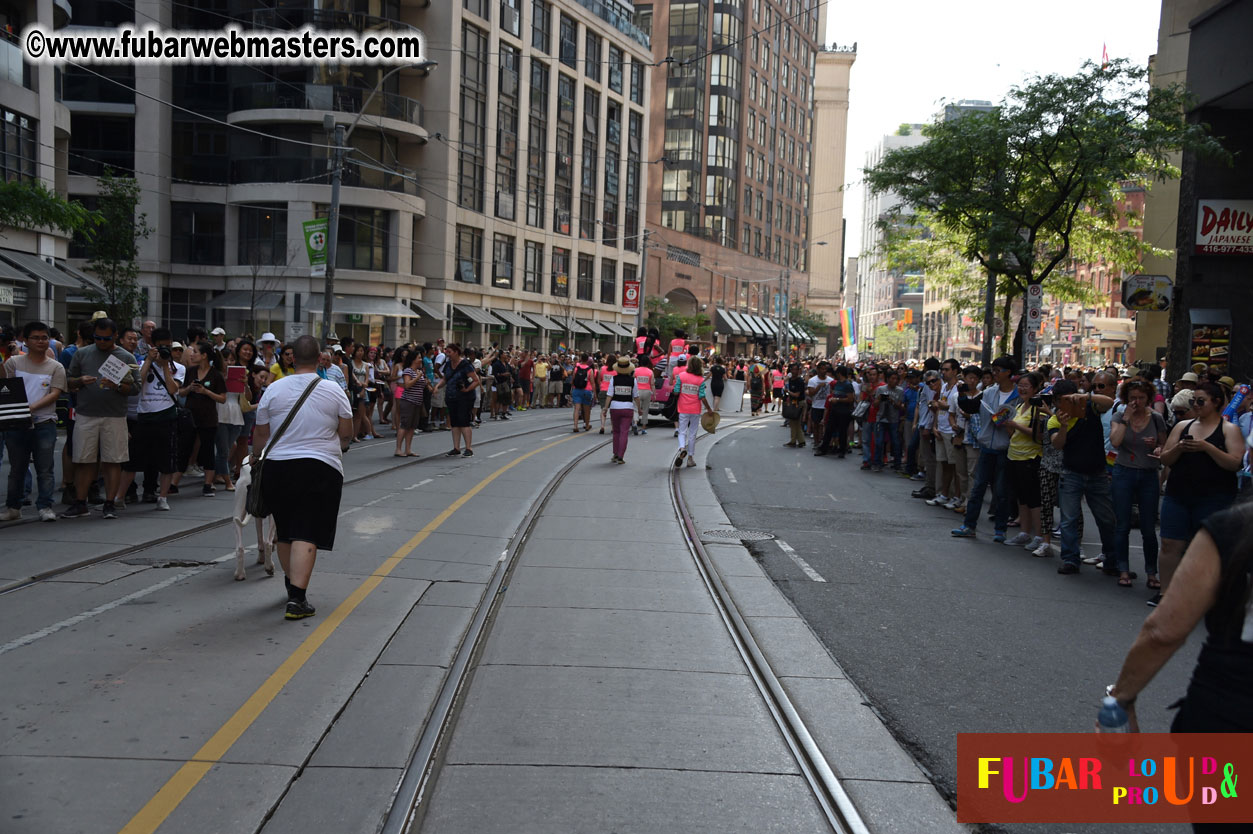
(963, 387)
(164, 351)
(1045, 397)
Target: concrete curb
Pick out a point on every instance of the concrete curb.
(885, 783)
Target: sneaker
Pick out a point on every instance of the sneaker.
(468, 453)
(163, 504)
(679, 460)
(1093, 560)
(150, 498)
(960, 509)
(964, 532)
(298, 610)
(1019, 540)
(938, 501)
(11, 514)
(208, 492)
(368, 437)
(621, 460)
(1034, 544)
(1154, 600)
(998, 538)
(922, 493)
(77, 510)
(865, 465)
(1068, 568)
(110, 510)
(691, 461)
(918, 476)
(645, 431)
(1045, 550)
(1057, 532)
(952, 503)
(453, 453)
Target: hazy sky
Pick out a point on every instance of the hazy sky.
(912, 54)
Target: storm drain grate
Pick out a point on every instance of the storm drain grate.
(740, 535)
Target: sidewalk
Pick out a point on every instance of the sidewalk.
(609, 695)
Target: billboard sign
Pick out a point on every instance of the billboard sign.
(1224, 227)
(1147, 293)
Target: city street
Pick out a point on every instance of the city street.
(943, 635)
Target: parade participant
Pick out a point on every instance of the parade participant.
(1025, 450)
(994, 405)
(643, 393)
(692, 402)
(459, 385)
(582, 388)
(1077, 420)
(1204, 453)
(1212, 583)
(605, 375)
(1138, 434)
(205, 389)
(556, 382)
(678, 345)
(310, 421)
(794, 390)
(409, 404)
(756, 387)
(717, 384)
(100, 417)
(622, 393)
(43, 379)
(777, 376)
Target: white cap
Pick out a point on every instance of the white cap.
(268, 337)
(217, 331)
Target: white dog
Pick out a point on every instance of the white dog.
(265, 527)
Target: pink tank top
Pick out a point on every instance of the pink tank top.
(689, 393)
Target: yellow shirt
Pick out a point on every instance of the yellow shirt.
(541, 370)
(1022, 446)
(276, 370)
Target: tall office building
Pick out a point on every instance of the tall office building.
(507, 176)
(731, 139)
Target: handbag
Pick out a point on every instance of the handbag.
(14, 407)
(791, 410)
(254, 503)
(862, 409)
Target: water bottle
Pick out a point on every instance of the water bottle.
(1112, 718)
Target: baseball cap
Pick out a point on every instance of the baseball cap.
(1006, 363)
(337, 348)
(217, 331)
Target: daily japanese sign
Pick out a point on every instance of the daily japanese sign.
(1224, 227)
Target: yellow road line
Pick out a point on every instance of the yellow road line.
(174, 791)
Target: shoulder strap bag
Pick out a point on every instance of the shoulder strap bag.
(255, 501)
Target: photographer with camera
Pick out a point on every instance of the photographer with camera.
(156, 434)
(1025, 448)
(891, 400)
(1079, 435)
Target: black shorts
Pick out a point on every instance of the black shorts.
(304, 497)
(1024, 476)
(460, 411)
(717, 387)
(154, 447)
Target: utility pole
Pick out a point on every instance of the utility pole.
(332, 231)
(989, 319)
(639, 312)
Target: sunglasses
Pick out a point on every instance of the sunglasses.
(103, 338)
(1199, 401)
(1180, 413)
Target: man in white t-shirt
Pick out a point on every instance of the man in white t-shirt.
(948, 488)
(155, 447)
(304, 473)
(816, 391)
(44, 379)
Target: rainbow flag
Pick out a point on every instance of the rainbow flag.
(561, 346)
(847, 327)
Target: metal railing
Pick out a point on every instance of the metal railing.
(617, 17)
(325, 19)
(341, 99)
(284, 169)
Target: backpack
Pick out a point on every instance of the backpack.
(580, 377)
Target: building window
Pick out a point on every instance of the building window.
(724, 71)
(568, 45)
(631, 221)
(473, 123)
(587, 183)
(615, 69)
(182, 309)
(637, 82)
(591, 56)
(18, 152)
(482, 8)
(263, 235)
(199, 151)
(586, 267)
(747, 239)
(608, 282)
(510, 17)
(561, 273)
(507, 133)
(469, 265)
(502, 262)
(198, 233)
(537, 146)
(685, 20)
(541, 26)
(363, 239)
(563, 181)
(533, 266)
(96, 142)
(613, 149)
(722, 151)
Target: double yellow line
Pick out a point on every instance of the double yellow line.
(173, 792)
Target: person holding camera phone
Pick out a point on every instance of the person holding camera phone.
(205, 389)
(1025, 450)
(156, 446)
(891, 399)
(459, 384)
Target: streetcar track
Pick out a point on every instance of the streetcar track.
(192, 532)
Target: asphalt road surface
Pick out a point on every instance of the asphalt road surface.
(943, 635)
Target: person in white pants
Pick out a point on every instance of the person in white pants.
(692, 402)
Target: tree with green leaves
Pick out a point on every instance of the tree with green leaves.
(665, 316)
(808, 320)
(1024, 188)
(891, 343)
(116, 246)
(29, 204)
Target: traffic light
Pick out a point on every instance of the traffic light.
(869, 345)
(909, 318)
(900, 326)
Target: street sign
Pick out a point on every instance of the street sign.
(631, 297)
(316, 237)
(1147, 293)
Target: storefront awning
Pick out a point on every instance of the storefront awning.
(513, 318)
(570, 324)
(9, 272)
(243, 300)
(724, 323)
(428, 310)
(741, 324)
(758, 327)
(625, 329)
(84, 280)
(362, 305)
(36, 267)
(478, 315)
(596, 328)
(544, 322)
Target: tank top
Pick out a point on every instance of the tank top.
(689, 393)
(678, 346)
(622, 387)
(778, 378)
(606, 375)
(644, 376)
(1197, 474)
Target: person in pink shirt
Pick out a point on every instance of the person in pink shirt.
(605, 379)
(643, 393)
(691, 382)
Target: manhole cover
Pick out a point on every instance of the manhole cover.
(741, 535)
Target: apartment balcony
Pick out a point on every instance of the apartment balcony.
(259, 103)
(287, 169)
(325, 20)
(618, 17)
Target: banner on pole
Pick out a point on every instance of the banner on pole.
(316, 237)
(847, 329)
(631, 297)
